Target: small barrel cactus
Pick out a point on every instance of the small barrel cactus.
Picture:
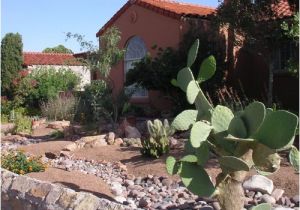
(158, 142)
(242, 140)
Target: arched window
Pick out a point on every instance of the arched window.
(135, 51)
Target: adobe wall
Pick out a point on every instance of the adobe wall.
(22, 192)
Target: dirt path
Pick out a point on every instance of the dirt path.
(75, 180)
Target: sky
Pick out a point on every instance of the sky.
(43, 23)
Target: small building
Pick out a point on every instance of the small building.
(35, 60)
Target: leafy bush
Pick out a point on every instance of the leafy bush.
(4, 118)
(18, 163)
(23, 124)
(60, 108)
(158, 142)
(44, 84)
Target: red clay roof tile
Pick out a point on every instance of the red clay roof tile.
(168, 8)
(283, 9)
(37, 58)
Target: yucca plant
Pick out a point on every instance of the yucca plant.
(242, 140)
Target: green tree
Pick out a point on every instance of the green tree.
(58, 49)
(11, 61)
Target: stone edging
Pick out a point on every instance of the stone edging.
(23, 192)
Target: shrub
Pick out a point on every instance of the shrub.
(18, 163)
(60, 108)
(48, 83)
(23, 124)
(158, 142)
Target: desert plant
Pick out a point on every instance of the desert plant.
(158, 142)
(60, 108)
(23, 124)
(249, 138)
(17, 162)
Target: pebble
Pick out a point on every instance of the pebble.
(143, 203)
(277, 194)
(267, 199)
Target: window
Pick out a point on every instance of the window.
(135, 51)
(283, 55)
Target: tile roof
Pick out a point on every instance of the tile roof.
(37, 58)
(168, 8)
(283, 9)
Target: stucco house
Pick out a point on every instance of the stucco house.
(35, 60)
(144, 23)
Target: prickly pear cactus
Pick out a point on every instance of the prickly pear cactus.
(158, 143)
(250, 138)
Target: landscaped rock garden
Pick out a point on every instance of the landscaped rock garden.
(150, 190)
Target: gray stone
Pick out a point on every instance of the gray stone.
(206, 208)
(166, 182)
(295, 199)
(259, 183)
(267, 199)
(120, 199)
(277, 194)
(281, 208)
(216, 205)
(129, 182)
(132, 132)
(111, 138)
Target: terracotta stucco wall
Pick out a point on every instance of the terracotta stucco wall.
(154, 29)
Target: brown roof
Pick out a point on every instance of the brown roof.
(37, 58)
(168, 8)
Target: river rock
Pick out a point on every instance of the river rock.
(277, 194)
(259, 183)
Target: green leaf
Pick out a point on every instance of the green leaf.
(294, 158)
(174, 82)
(199, 133)
(232, 164)
(237, 128)
(192, 55)
(202, 153)
(278, 129)
(195, 178)
(253, 116)
(262, 206)
(233, 138)
(221, 118)
(189, 158)
(184, 77)
(171, 165)
(207, 69)
(185, 120)
(192, 91)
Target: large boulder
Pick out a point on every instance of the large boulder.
(132, 132)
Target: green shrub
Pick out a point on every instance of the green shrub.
(18, 163)
(60, 108)
(23, 124)
(4, 118)
(47, 82)
(158, 142)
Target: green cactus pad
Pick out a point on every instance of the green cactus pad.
(253, 117)
(202, 153)
(221, 118)
(184, 77)
(192, 91)
(189, 158)
(195, 178)
(185, 120)
(203, 106)
(232, 164)
(237, 128)
(172, 166)
(265, 160)
(199, 133)
(278, 129)
(207, 69)
(192, 55)
(174, 82)
(294, 158)
(262, 206)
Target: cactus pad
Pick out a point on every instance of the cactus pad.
(185, 120)
(294, 158)
(184, 77)
(278, 129)
(199, 133)
(192, 91)
(237, 128)
(207, 69)
(172, 166)
(195, 178)
(189, 158)
(232, 164)
(221, 118)
(202, 153)
(192, 55)
(262, 206)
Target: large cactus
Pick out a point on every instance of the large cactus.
(249, 138)
(158, 142)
